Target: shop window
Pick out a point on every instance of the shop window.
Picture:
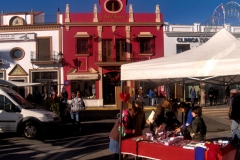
(182, 47)
(84, 45)
(49, 79)
(147, 45)
(1, 75)
(44, 48)
(113, 6)
(17, 53)
(86, 88)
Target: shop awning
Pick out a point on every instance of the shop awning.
(87, 76)
(17, 84)
(82, 34)
(145, 34)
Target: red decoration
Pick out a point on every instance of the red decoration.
(124, 96)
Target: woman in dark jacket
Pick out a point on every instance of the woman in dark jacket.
(139, 118)
(198, 128)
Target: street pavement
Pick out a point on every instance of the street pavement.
(92, 142)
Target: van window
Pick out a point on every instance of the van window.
(22, 102)
(6, 104)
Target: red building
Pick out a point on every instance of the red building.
(96, 44)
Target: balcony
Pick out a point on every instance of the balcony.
(45, 19)
(43, 58)
(104, 60)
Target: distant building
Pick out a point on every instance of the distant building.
(179, 38)
(97, 44)
(29, 47)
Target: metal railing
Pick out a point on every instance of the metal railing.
(135, 57)
(35, 57)
(45, 19)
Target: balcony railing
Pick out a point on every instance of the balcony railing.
(135, 57)
(41, 57)
(45, 19)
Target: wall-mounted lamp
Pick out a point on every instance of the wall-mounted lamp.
(60, 57)
(134, 37)
(94, 36)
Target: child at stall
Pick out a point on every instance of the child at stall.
(127, 132)
(198, 128)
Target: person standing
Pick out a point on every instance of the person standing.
(193, 95)
(210, 95)
(150, 97)
(75, 112)
(215, 95)
(227, 94)
(234, 115)
(155, 97)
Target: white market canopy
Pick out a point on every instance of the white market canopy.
(17, 84)
(217, 61)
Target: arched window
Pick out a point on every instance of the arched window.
(113, 6)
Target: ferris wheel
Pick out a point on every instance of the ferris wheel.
(228, 13)
(222, 14)
(232, 13)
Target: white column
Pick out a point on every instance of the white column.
(99, 29)
(197, 27)
(131, 19)
(95, 12)
(128, 41)
(67, 19)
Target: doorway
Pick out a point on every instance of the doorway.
(110, 81)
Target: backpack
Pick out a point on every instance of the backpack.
(127, 119)
(127, 122)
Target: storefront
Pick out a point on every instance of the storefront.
(95, 50)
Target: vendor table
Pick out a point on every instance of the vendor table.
(152, 150)
(155, 150)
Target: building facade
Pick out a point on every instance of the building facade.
(180, 38)
(96, 44)
(29, 48)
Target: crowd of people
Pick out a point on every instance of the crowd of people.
(165, 119)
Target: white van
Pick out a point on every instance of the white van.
(17, 115)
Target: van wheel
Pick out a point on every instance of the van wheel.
(30, 130)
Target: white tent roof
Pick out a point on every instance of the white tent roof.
(218, 57)
(17, 84)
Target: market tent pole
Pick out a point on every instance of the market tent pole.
(184, 96)
(120, 131)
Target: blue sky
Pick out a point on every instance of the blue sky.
(175, 11)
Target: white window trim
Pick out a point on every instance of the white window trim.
(145, 34)
(82, 34)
